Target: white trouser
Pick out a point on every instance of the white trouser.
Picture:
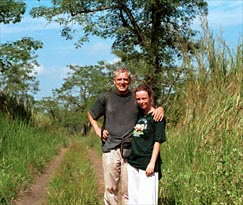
(142, 189)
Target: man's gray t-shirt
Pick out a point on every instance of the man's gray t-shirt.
(120, 116)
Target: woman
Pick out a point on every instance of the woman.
(144, 162)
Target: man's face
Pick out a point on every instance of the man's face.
(122, 82)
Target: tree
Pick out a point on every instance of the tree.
(69, 105)
(81, 88)
(17, 59)
(155, 31)
(17, 62)
(11, 11)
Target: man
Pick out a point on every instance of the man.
(120, 112)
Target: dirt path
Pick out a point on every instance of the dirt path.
(96, 162)
(36, 193)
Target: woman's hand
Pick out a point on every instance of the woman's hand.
(150, 169)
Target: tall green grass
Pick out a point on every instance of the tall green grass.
(93, 141)
(24, 152)
(74, 181)
(203, 155)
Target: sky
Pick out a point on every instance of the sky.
(225, 17)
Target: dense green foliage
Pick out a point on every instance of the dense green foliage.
(15, 107)
(17, 62)
(18, 80)
(24, 153)
(11, 11)
(17, 59)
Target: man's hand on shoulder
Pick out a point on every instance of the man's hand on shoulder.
(158, 114)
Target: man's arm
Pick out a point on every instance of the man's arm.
(95, 125)
(158, 114)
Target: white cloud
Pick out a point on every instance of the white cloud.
(114, 60)
(27, 25)
(224, 3)
(99, 47)
(225, 13)
(54, 72)
(50, 78)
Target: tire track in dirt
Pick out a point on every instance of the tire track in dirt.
(96, 162)
(36, 193)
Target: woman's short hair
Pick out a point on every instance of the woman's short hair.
(144, 87)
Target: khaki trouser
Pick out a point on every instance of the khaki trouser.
(115, 172)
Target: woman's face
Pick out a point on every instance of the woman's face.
(143, 100)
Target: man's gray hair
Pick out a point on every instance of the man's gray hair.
(122, 70)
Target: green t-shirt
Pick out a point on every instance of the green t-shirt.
(145, 134)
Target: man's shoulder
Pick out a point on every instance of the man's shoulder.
(112, 97)
(106, 94)
(104, 97)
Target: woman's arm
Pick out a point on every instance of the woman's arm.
(151, 165)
